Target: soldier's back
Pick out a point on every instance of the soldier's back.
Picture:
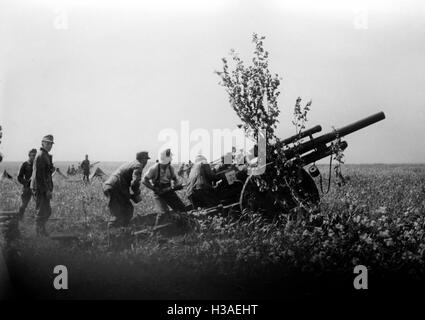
(122, 176)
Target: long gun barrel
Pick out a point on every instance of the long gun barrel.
(302, 134)
(320, 154)
(321, 141)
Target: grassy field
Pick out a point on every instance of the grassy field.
(377, 219)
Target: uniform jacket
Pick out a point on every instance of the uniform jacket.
(126, 178)
(25, 173)
(41, 179)
(200, 178)
(85, 165)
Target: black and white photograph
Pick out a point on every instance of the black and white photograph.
(212, 155)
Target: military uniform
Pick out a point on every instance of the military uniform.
(24, 178)
(161, 177)
(85, 165)
(199, 188)
(117, 188)
(42, 186)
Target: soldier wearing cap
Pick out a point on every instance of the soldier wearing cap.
(162, 180)
(122, 186)
(85, 165)
(42, 185)
(24, 178)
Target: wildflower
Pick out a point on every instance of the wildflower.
(381, 210)
(339, 226)
(384, 234)
(389, 242)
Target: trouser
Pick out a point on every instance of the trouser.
(169, 199)
(86, 176)
(121, 209)
(203, 199)
(44, 210)
(25, 198)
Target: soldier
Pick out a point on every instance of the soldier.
(24, 178)
(85, 166)
(189, 167)
(73, 171)
(123, 185)
(42, 184)
(162, 180)
(199, 188)
(181, 170)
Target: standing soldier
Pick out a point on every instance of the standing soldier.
(24, 178)
(181, 171)
(42, 184)
(123, 185)
(189, 167)
(162, 180)
(85, 165)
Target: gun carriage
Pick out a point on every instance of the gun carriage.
(296, 184)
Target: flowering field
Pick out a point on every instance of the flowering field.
(376, 219)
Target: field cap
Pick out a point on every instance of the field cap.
(48, 138)
(142, 155)
(32, 151)
(165, 157)
(200, 159)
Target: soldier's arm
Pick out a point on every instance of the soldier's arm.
(147, 180)
(173, 175)
(21, 177)
(135, 181)
(43, 170)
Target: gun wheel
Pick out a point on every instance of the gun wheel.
(282, 201)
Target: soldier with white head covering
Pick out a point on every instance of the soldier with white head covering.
(162, 180)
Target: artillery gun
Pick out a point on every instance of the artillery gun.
(295, 184)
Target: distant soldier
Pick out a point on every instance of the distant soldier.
(199, 188)
(24, 178)
(68, 171)
(189, 167)
(85, 166)
(162, 180)
(123, 185)
(181, 171)
(73, 170)
(42, 184)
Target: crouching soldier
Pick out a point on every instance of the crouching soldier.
(162, 180)
(24, 178)
(121, 187)
(199, 188)
(42, 185)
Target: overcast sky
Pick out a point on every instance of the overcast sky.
(105, 77)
